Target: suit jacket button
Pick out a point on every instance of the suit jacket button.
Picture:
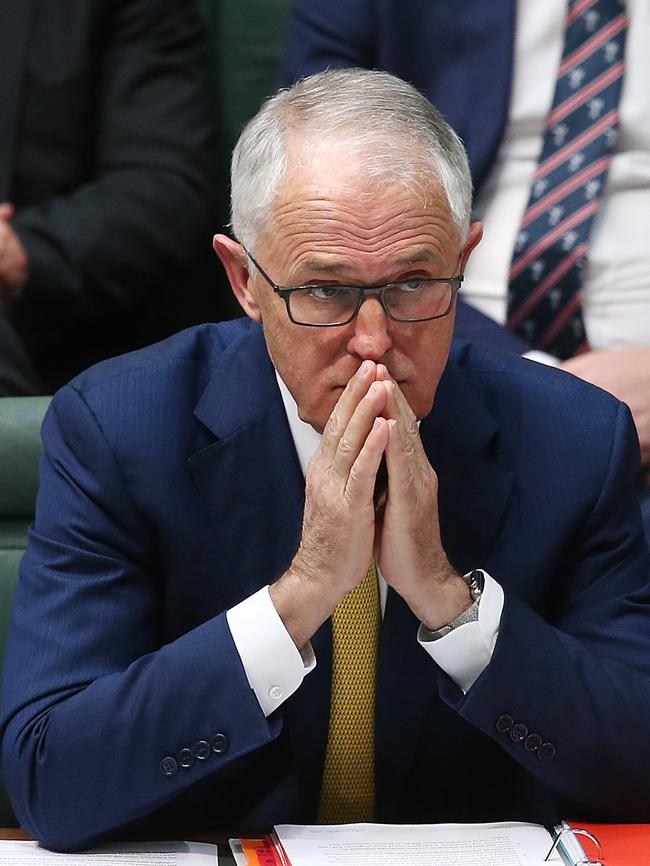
(202, 750)
(533, 742)
(219, 744)
(518, 732)
(186, 758)
(504, 723)
(168, 766)
(546, 751)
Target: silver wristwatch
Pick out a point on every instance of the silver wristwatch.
(475, 581)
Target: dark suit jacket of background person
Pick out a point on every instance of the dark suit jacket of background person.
(106, 150)
(171, 490)
(460, 55)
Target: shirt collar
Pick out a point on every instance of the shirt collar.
(305, 439)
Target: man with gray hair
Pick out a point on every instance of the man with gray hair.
(314, 566)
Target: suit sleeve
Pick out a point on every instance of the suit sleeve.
(110, 241)
(328, 35)
(575, 679)
(109, 697)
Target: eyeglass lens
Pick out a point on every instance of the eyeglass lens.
(417, 299)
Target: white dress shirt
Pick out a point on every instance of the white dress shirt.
(275, 667)
(617, 276)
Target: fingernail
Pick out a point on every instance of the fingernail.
(364, 369)
(373, 389)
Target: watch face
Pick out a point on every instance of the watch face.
(476, 582)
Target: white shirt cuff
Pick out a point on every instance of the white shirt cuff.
(466, 651)
(542, 358)
(274, 666)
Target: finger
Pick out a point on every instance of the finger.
(382, 374)
(410, 477)
(398, 409)
(399, 462)
(360, 486)
(358, 429)
(405, 456)
(6, 211)
(338, 421)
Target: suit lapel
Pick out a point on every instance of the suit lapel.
(458, 437)
(13, 40)
(473, 490)
(249, 475)
(251, 481)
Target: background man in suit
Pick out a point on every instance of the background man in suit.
(182, 577)
(106, 203)
(491, 68)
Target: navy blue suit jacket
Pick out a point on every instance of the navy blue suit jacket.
(171, 490)
(459, 55)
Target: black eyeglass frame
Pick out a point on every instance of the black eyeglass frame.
(285, 293)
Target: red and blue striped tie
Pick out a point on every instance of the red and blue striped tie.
(545, 292)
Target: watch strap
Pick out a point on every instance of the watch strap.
(475, 581)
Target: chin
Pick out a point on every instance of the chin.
(315, 417)
(420, 406)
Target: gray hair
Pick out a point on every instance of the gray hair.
(393, 126)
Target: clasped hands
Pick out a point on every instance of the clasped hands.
(352, 515)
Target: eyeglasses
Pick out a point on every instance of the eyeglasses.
(326, 306)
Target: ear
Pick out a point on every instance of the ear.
(473, 237)
(235, 262)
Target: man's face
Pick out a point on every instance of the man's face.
(331, 225)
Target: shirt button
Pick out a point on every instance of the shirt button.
(504, 723)
(168, 766)
(186, 758)
(275, 692)
(219, 744)
(202, 750)
(546, 751)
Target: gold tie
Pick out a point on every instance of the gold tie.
(348, 790)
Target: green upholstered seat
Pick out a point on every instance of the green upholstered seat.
(245, 45)
(20, 450)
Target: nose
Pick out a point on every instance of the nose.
(371, 337)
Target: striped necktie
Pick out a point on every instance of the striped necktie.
(545, 293)
(348, 788)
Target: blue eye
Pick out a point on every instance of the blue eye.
(411, 286)
(325, 293)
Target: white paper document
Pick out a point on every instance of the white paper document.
(124, 854)
(503, 844)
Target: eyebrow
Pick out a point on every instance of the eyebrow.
(421, 254)
(322, 266)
